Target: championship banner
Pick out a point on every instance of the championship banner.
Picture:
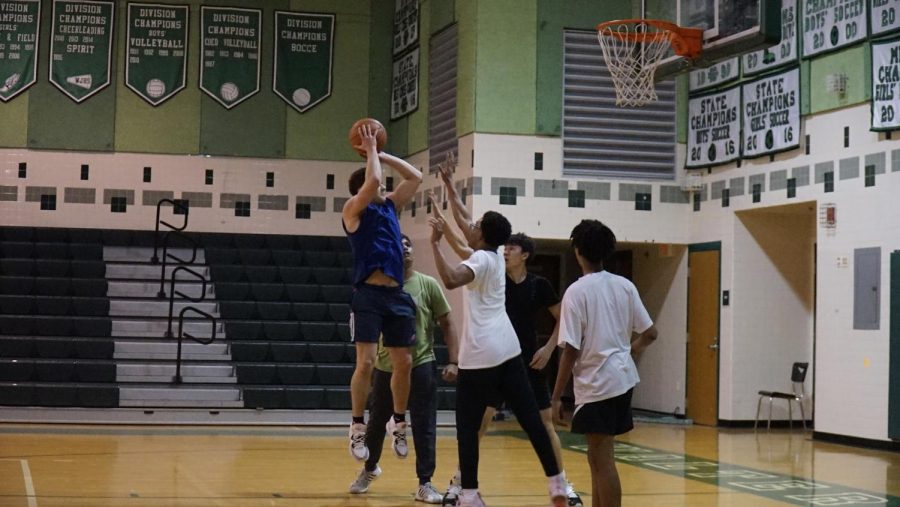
(19, 35)
(406, 24)
(885, 78)
(715, 75)
(771, 111)
(832, 24)
(304, 50)
(81, 46)
(779, 54)
(229, 65)
(405, 85)
(157, 50)
(884, 16)
(714, 128)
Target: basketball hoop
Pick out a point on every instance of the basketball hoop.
(633, 48)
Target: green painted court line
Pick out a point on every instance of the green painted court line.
(774, 486)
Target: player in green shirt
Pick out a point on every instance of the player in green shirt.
(431, 307)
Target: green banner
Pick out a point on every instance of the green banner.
(81, 47)
(229, 67)
(157, 50)
(19, 25)
(304, 45)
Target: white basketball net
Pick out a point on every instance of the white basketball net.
(632, 52)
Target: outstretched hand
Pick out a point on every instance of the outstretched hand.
(437, 229)
(435, 209)
(366, 139)
(447, 168)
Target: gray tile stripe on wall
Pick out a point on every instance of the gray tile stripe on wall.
(849, 168)
(895, 160)
(339, 204)
(595, 190)
(801, 175)
(756, 179)
(109, 193)
(673, 194)
(627, 191)
(9, 193)
(822, 168)
(152, 197)
(778, 180)
(878, 160)
(551, 188)
(33, 194)
(517, 183)
(80, 195)
(473, 183)
(274, 202)
(736, 187)
(715, 189)
(228, 200)
(198, 199)
(316, 203)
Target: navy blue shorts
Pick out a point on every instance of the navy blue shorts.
(609, 417)
(389, 311)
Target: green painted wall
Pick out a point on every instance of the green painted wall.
(855, 62)
(551, 20)
(14, 127)
(506, 67)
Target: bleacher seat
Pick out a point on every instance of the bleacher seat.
(289, 352)
(88, 269)
(321, 259)
(295, 274)
(310, 311)
(238, 310)
(243, 330)
(50, 348)
(339, 312)
(280, 242)
(250, 351)
(94, 349)
(95, 371)
(86, 251)
(56, 395)
(330, 276)
(337, 398)
(54, 370)
(20, 395)
(336, 293)
(51, 235)
(51, 251)
(16, 305)
(99, 396)
(19, 234)
(296, 374)
(303, 293)
(256, 373)
(327, 352)
(11, 347)
(262, 274)
(287, 258)
(232, 291)
(220, 256)
(16, 267)
(226, 273)
(17, 250)
(16, 325)
(334, 374)
(275, 310)
(281, 331)
(317, 331)
(16, 370)
(264, 397)
(300, 398)
(45, 305)
(255, 256)
(267, 291)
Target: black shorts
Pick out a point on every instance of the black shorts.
(538, 382)
(608, 417)
(382, 311)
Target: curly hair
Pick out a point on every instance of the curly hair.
(495, 229)
(593, 240)
(524, 242)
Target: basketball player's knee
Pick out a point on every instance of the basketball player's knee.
(365, 364)
(402, 362)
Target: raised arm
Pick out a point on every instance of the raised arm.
(354, 206)
(412, 178)
(460, 214)
(451, 276)
(456, 243)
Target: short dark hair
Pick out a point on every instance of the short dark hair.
(524, 242)
(356, 180)
(404, 236)
(594, 241)
(495, 229)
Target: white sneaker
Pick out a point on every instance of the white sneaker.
(574, 499)
(397, 430)
(557, 486)
(453, 490)
(426, 493)
(358, 448)
(361, 484)
(471, 500)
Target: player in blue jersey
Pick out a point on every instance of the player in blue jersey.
(379, 306)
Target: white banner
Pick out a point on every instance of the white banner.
(831, 24)
(782, 53)
(405, 85)
(714, 128)
(884, 16)
(885, 77)
(715, 75)
(771, 114)
(406, 24)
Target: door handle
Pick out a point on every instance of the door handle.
(714, 345)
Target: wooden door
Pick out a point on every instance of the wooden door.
(703, 336)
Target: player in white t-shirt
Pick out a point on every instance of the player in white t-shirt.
(490, 361)
(599, 315)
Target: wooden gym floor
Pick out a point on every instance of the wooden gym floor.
(660, 465)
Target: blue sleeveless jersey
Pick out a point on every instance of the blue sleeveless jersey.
(376, 243)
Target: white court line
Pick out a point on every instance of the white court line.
(29, 485)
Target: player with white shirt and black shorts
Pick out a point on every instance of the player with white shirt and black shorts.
(490, 362)
(603, 327)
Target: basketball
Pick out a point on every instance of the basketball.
(376, 126)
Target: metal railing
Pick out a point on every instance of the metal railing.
(166, 256)
(176, 205)
(181, 333)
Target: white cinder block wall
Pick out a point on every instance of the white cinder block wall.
(851, 366)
